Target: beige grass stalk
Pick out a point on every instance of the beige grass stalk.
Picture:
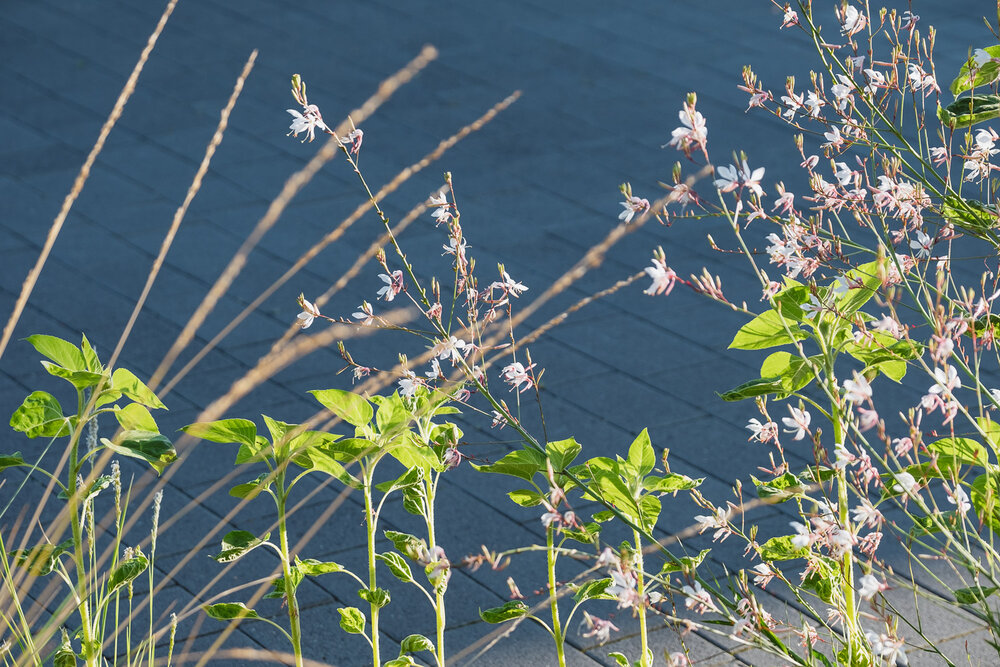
(337, 233)
(292, 186)
(81, 179)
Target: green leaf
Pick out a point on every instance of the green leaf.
(403, 661)
(508, 612)
(594, 590)
(969, 215)
(965, 450)
(397, 566)
(820, 580)
(926, 525)
(11, 461)
(984, 497)
(64, 655)
(792, 371)
(670, 483)
(862, 281)
(314, 568)
(62, 352)
(686, 564)
(973, 76)
(136, 417)
(227, 611)
(619, 659)
(780, 488)
(411, 477)
(754, 388)
(767, 330)
(562, 452)
(125, 382)
(415, 643)
(969, 111)
(126, 571)
(149, 446)
(79, 379)
(91, 361)
(378, 597)
(40, 415)
(250, 490)
(649, 511)
(523, 463)
(353, 409)
(526, 497)
(392, 415)
(641, 457)
(781, 548)
(352, 620)
(607, 487)
(974, 594)
(239, 431)
(41, 559)
(410, 546)
(992, 432)
(238, 543)
(322, 459)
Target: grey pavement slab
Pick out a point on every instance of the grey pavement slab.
(537, 187)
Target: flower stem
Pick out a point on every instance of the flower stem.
(82, 592)
(640, 586)
(370, 529)
(294, 619)
(439, 611)
(557, 634)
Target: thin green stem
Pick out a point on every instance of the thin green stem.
(557, 633)
(640, 586)
(294, 618)
(439, 609)
(370, 519)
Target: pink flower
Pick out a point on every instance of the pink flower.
(763, 575)
(393, 285)
(693, 133)
(598, 627)
(791, 18)
(632, 206)
(352, 141)
(762, 432)
(516, 374)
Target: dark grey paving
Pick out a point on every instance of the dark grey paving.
(602, 84)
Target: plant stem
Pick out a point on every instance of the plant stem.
(640, 586)
(370, 529)
(557, 634)
(438, 592)
(286, 567)
(82, 592)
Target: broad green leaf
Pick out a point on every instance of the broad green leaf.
(353, 409)
(965, 450)
(594, 590)
(322, 459)
(40, 415)
(251, 489)
(227, 611)
(378, 597)
(314, 568)
(526, 497)
(781, 548)
(125, 382)
(62, 352)
(239, 431)
(969, 215)
(608, 487)
(508, 612)
(974, 76)
(754, 388)
(413, 500)
(412, 453)
(586, 534)
(126, 571)
(397, 565)
(64, 656)
(619, 659)
(926, 525)
(410, 546)
(523, 463)
(820, 579)
(767, 330)
(391, 415)
(780, 488)
(90, 358)
(136, 417)
(686, 564)
(404, 661)
(411, 477)
(792, 371)
(984, 497)
(11, 461)
(79, 379)
(649, 511)
(969, 111)
(41, 559)
(238, 543)
(279, 431)
(603, 516)
(415, 643)
(992, 432)
(974, 594)
(352, 620)
(862, 282)
(153, 448)
(945, 467)
(641, 456)
(562, 452)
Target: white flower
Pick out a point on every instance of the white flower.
(309, 313)
(454, 348)
(959, 499)
(763, 575)
(693, 134)
(857, 390)
(632, 206)
(663, 278)
(869, 586)
(719, 520)
(802, 537)
(866, 514)
(905, 483)
(365, 315)
(352, 141)
(762, 432)
(408, 384)
(442, 210)
(813, 103)
(435, 372)
(598, 627)
(728, 178)
(844, 174)
(798, 423)
(393, 285)
(834, 140)
(980, 57)
(852, 21)
(922, 244)
(516, 374)
(509, 285)
(623, 587)
(698, 599)
(751, 179)
(307, 122)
